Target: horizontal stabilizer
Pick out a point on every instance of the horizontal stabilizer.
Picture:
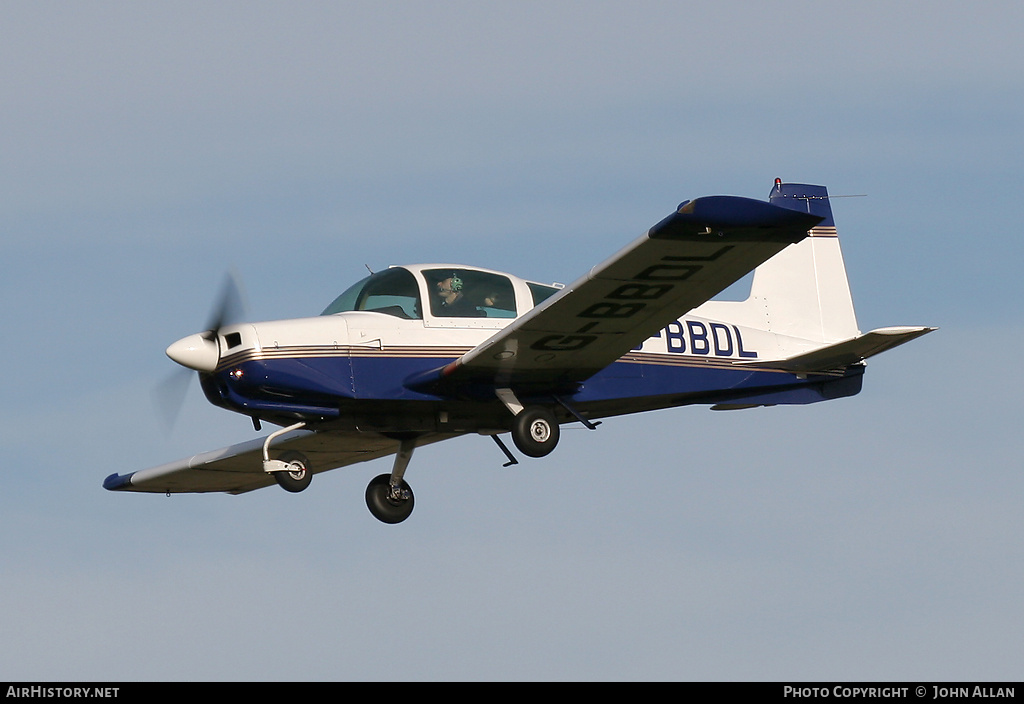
(856, 349)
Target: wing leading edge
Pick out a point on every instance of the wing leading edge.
(683, 261)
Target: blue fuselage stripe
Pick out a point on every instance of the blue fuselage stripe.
(315, 383)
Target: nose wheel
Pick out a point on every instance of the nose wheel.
(388, 496)
(389, 503)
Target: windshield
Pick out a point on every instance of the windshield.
(392, 292)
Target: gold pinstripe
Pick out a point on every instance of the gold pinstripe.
(664, 359)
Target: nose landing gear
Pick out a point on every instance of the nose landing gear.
(388, 496)
(389, 503)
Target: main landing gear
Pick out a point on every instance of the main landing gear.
(534, 428)
(389, 497)
(535, 431)
(291, 470)
(298, 475)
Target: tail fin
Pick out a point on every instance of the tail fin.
(803, 291)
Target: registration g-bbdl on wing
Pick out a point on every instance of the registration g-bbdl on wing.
(418, 354)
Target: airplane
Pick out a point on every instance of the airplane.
(417, 354)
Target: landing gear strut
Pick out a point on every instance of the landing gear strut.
(291, 470)
(388, 496)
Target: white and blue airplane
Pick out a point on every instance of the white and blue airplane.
(412, 355)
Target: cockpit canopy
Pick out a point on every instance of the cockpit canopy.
(452, 292)
(392, 291)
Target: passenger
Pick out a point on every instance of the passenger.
(453, 299)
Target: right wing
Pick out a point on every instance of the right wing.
(237, 469)
(684, 260)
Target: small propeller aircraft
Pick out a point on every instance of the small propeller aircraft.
(413, 355)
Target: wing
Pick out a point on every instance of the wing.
(684, 260)
(239, 468)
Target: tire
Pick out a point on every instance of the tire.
(382, 506)
(298, 480)
(535, 431)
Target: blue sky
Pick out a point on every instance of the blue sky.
(148, 148)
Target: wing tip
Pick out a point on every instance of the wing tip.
(746, 218)
(117, 482)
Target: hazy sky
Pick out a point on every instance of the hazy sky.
(148, 148)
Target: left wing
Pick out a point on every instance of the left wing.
(239, 468)
(683, 261)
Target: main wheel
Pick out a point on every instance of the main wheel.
(299, 477)
(535, 431)
(383, 502)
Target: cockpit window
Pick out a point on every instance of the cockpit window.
(467, 293)
(392, 292)
(541, 292)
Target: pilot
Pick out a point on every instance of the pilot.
(453, 299)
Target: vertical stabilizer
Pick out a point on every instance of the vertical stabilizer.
(803, 290)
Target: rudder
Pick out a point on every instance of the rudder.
(803, 291)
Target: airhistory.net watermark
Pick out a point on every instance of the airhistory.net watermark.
(49, 692)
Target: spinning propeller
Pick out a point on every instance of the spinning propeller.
(199, 352)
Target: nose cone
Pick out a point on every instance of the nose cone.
(195, 352)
